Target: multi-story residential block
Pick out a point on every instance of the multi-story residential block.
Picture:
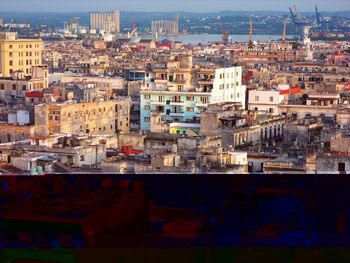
(19, 84)
(181, 109)
(105, 117)
(18, 55)
(178, 108)
(265, 101)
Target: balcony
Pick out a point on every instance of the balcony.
(201, 104)
(177, 114)
(205, 81)
(177, 103)
(190, 103)
(185, 125)
(160, 81)
(156, 102)
(181, 81)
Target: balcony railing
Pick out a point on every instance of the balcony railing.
(179, 80)
(156, 102)
(177, 113)
(201, 104)
(176, 102)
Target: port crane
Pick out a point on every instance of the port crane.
(251, 44)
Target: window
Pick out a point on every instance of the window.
(176, 99)
(147, 119)
(190, 109)
(147, 107)
(204, 99)
(227, 86)
(111, 127)
(237, 83)
(11, 62)
(256, 98)
(10, 46)
(56, 118)
(341, 167)
(147, 97)
(271, 98)
(190, 98)
(2, 86)
(14, 87)
(271, 110)
(160, 98)
(82, 158)
(237, 94)
(10, 54)
(68, 115)
(121, 123)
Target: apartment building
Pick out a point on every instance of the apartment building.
(103, 117)
(18, 55)
(265, 101)
(181, 109)
(19, 84)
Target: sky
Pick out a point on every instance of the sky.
(171, 5)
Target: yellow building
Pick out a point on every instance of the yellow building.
(18, 54)
(105, 117)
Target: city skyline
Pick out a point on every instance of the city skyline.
(181, 5)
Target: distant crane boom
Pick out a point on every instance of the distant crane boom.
(251, 30)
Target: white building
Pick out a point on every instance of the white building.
(227, 86)
(265, 101)
(184, 106)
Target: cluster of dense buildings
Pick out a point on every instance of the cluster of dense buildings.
(145, 107)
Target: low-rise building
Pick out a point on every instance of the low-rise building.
(102, 117)
(265, 101)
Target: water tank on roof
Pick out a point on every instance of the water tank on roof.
(33, 171)
(39, 169)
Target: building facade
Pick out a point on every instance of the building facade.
(181, 109)
(105, 117)
(265, 101)
(18, 55)
(107, 21)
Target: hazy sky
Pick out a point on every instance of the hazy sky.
(170, 5)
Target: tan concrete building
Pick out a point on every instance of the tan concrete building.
(18, 54)
(105, 117)
(107, 21)
(12, 132)
(18, 85)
